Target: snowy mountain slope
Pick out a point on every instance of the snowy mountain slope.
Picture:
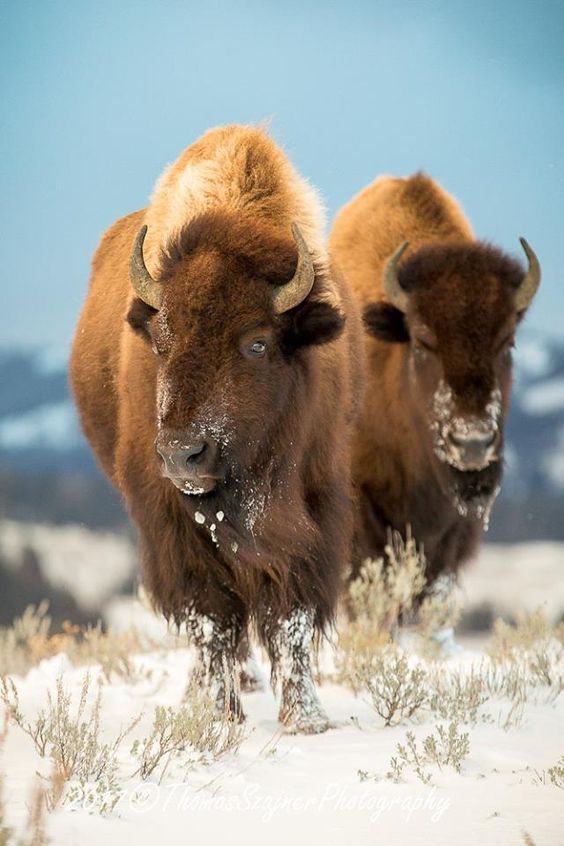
(38, 422)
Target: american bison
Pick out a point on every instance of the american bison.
(440, 311)
(216, 369)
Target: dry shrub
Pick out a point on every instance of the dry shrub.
(396, 690)
(527, 657)
(458, 696)
(194, 733)
(19, 641)
(445, 747)
(528, 632)
(85, 765)
(381, 593)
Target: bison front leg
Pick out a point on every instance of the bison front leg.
(289, 642)
(216, 641)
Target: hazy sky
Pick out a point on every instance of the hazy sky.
(98, 96)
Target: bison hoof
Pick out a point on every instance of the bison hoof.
(250, 677)
(446, 643)
(230, 708)
(307, 724)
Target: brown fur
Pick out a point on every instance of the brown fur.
(462, 305)
(219, 238)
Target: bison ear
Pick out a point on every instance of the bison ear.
(138, 317)
(386, 323)
(313, 323)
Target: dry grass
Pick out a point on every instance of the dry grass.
(556, 773)
(29, 640)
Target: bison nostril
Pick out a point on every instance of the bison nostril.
(195, 454)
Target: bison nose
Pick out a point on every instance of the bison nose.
(473, 449)
(187, 463)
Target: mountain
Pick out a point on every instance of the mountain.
(43, 453)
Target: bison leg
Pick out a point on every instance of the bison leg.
(289, 643)
(216, 641)
(250, 676)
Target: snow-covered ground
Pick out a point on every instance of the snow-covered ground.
(286, 789)
(278, 788)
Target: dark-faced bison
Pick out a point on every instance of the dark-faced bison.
(440, 310)
(215, 369)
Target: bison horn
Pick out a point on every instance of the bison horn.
(530, 283)
(296, 290)
(392, 288)
(143, 283)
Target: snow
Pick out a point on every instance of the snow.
(281, 789)
(52, 426)
(302, 789)
(544, 398)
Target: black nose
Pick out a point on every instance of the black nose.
(188, 461)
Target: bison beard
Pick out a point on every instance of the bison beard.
(265, 545)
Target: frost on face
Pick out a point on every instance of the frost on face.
(192, 488)
(444, 423)
(441, 412)
(220, 427)
(253, 504)
(164, 397)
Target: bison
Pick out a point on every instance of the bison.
(216, 367)
(440, 310)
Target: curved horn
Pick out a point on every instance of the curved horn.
(530, 283)
(143, 283)
(392, 288)
(296, 290)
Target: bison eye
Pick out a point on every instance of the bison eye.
(257, 349)
(424, 345)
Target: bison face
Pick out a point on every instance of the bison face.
(231, 322)
(456, 307)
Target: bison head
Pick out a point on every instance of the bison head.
(231, 319)
(456, 305)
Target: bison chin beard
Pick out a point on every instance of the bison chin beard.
(474, 491)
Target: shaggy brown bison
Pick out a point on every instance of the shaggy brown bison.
(215, 369)
(440, 310)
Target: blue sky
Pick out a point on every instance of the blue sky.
(97, 97)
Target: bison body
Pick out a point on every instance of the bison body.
(215, 368)
(440, 314)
